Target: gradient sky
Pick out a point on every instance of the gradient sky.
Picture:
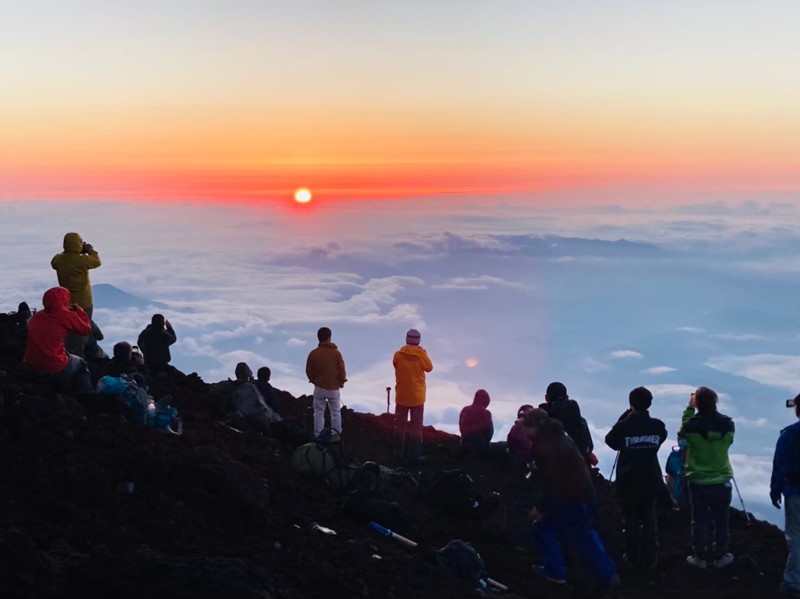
(247, 99)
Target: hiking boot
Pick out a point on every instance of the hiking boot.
(786, 590)
(697, 562)
(540, 571)
(723, 561)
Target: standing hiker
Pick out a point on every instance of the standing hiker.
(785, 481)
(709, 436)
(637, 437)
(325, 370)
(72, 268)
(411, 362)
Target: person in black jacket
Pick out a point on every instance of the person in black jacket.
(266, 389)
(637, 437)
(558, 405)
(154, 342)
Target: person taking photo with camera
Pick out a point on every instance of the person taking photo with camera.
(72, 268)
(785, 483)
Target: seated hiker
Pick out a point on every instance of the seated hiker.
(267, 392)
(558, 405)
(637, 437)
(518, 445)
(564, 504)
(45, 351)
(124, 362)
(475, 423)
(248, 401)
(154, 342)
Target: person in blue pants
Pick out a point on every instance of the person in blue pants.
(564, 503)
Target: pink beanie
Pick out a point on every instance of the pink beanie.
(412, 337)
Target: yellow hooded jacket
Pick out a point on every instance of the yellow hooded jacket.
(72, 268)
(411, 362)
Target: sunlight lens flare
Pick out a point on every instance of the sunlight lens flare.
(471, 362)
(302, 195)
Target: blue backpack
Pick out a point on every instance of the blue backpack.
(676, 479)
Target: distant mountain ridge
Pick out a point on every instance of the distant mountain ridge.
(113, 298)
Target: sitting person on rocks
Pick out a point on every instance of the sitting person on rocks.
(124, 361)
(154, 342)
(266, 389)
(475, 424)
(248, 401)
(518, 445)
(45, 351)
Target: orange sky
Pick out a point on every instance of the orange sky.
(387, 103)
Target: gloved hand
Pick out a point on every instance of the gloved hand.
(776, 499)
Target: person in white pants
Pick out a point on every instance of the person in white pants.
(325, 370)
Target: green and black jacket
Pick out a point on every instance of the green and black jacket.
(708, 437)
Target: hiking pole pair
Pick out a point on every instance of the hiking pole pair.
(744, 509)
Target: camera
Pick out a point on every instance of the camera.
(790, 403)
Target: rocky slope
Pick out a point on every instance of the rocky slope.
(93, 506)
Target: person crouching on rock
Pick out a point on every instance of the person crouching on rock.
(564, 503)
(124, 361)
(475, 424)
(518, 445)
(45, 351)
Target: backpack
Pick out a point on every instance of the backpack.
(135, 401)
(451, 491)
(325, 458)
(290, 431)
(462, 560)
(675, 479)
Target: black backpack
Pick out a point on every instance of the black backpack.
(452, 492)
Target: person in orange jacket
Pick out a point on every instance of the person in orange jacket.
(411, 362)
(45, 351)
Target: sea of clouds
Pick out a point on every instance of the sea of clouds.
(508, 296)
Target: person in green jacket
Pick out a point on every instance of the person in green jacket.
(72, 267)
(708, 435)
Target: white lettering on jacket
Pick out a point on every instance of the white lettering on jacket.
(642, 440)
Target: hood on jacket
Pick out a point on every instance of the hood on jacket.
(481, 398)
(56, 298)
(73, 242)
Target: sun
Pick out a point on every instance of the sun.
(302, 195)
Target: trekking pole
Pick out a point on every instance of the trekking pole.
(409, 543)
(744, 509)
(388, 392)
(614, 467)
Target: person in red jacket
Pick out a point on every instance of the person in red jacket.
(45, 351)
(475, 424)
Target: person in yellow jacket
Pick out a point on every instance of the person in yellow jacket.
(325, 369)
(72, 267)
(411, 362)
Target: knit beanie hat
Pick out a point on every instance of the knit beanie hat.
(412, 337)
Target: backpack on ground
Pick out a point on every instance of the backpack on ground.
(451, 491)
(130, 395)
(326, 458)
(291, 432)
